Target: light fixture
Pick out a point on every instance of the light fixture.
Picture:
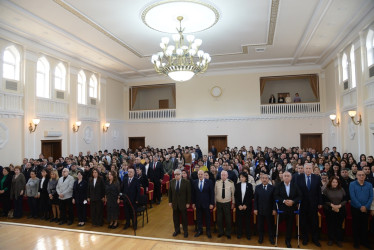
(332, 118)
(76, 126)
(33, 125)
(352, 114)
(106, 126)
(181, 61)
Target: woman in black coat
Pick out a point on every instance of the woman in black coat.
(45, 206)
(80, 198)
(243, 201)
(95, 195)
(5, 184)
(112, 190)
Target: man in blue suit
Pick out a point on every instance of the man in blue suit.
(202, 201)
(130, 195)
(310, 187)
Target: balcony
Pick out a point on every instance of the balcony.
(290, 108)
(152, 114)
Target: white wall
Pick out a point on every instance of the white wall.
(147, 98)
(301, 86)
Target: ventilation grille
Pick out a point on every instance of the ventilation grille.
(60, 95)
(93, 101)
(11, 85)
(345, 84)
(371, 71)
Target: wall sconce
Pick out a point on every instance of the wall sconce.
(76, 126)
(106, 126)
(33, 125)
(332, 118)
(352, 114)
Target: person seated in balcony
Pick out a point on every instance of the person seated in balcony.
(272, 99)
(297, 98)
(288, 98)
(281, 99)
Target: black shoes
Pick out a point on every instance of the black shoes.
(198, 234)
(248, 237)
(329, 243)
(126, 227)
(220, 235)
(260, 240)
(238, 236)
(176, 233)
(288, 244)
(209, 235)
(70, 222)
(316, 242)
(305, 242)
(62, 222)
(272, 241)
(228, 237)
(185, 235)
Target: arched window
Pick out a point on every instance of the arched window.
(353, 68)
(345, 67)
(81, 87)
(60, 77)
(92, 89)
(42, 78)
(11, 63)
(370, 47)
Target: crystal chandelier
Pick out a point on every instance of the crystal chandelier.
(181, 61)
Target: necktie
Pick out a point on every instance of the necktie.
(201, 186)
(223, 190)
(177, 189)
(129, 181)
(308, 183)
(154, 166)
(264, 187)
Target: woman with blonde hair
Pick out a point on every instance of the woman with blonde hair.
(53, 196)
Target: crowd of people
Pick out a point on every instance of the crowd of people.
(277, 180)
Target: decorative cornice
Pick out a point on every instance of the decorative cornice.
(369, 103)
(8, 114)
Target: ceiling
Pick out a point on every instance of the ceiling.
(112, 36)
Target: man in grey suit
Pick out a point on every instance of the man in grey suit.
(179, 200)
(64, 190)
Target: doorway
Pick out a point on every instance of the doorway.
(52, 148)
(219, 142)
(311, 141)
(136, 142)
(163, 104)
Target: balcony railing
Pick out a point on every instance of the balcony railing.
(290, 108)
(152, 114)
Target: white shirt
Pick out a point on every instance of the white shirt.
(41, 183)
(244, 187)
(146, 169)
(287, 188)
(95, 179)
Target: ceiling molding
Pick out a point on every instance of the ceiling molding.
(353, 27)
(270, 37)
(318, 15)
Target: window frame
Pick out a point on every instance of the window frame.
(16, 55)
(93, 86)
(46, 78)
(81, 86)
(61, 67)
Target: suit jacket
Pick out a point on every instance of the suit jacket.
(280, 194)
(43, 189)
(141, 166)
(175, 163)
(248, 196)
(310, 199)
(264, 199)
(80, 191)
(204, 198)
(65, 187)
(181, 198)
(97, 192)
(132, 191)
(143, 181)
(157, 173)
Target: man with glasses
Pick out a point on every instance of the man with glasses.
(361, 193)
(179, 200)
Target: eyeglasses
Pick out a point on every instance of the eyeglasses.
(177, 174)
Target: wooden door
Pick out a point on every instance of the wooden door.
(311, 141)
(51, 148)
(136, 142)
(163, 104)
(219, 142)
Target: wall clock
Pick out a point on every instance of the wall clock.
(216, 91)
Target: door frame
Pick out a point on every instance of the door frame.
(49, 141)
(320, 134)
(216, 136)
(136, 137)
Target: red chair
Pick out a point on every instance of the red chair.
(151, 188)
(165, 183)
(141, 191)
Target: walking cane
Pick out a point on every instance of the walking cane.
(277, 231)
(134, 215)
(298, 224)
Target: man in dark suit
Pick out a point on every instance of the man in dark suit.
(202, 201)
(264, 208)
(214, 152)
(174, 161)
(138, 164)
(130, 195)
(179, 200)
(310, 187)
(156, 175)
(288, 196)
(243, 202)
